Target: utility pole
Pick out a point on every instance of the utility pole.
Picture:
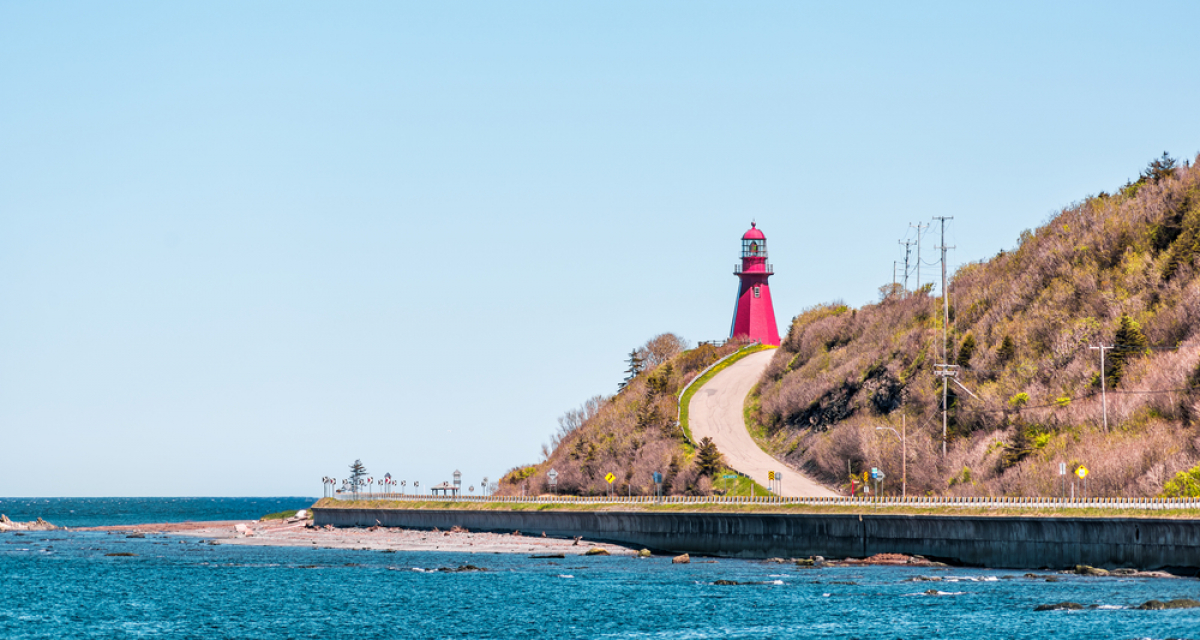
(918, 227)
(903, 435)
(945, 329)
(945, 372)
(907, 251)
(945, 296)
(1103, 391)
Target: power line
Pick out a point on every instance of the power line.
(1093, 394)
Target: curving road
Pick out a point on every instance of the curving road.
(717, 412)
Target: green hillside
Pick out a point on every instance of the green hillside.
(1119, 270)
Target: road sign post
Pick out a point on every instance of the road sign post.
(553, 476)
(658, 485)
(1062, 482)
(727, 477)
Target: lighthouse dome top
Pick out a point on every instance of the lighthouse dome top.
(753, 233)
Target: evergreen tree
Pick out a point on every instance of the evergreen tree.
(357, 470)
(1007, 350)
(658, 383)
(1130, 342)
(669, 478)
(1159, 168)
(965, 351)
(648, 416)
(635, 367)
(709, 459)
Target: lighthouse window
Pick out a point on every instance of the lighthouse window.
(754, 248)
(755, 292)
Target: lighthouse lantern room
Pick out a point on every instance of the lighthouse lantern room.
(754, 316)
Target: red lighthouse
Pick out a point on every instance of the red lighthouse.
(754, 317)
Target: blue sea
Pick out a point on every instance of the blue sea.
(98, 512)
(62, 584)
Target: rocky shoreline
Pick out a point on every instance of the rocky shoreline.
(299, 531)
(32, 525)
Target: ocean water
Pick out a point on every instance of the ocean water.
(62, 584)
(95, 512)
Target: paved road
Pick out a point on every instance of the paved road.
(716, 412)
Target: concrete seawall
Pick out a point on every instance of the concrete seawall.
(1001, 542)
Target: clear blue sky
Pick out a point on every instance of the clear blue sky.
(243, 244)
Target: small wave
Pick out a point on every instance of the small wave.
(565, 575)
(775, 582)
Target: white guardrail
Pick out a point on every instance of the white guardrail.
(1156, 504)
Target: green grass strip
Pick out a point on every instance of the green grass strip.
(700, 507)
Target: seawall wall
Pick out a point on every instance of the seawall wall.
(1000, 542)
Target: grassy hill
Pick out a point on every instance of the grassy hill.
(630, 434)
(1119, 270)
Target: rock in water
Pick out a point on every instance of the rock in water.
(1059, 606)
(596, 551)
(35, 525)
(1084, 570)
(1181, 603)
(683, 559)
(644, 553)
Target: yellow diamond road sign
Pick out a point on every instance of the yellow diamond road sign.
(610, 477)
(1081, 472)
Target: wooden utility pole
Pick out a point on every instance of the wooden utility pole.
(907, 251)
(945, 328)
(1103, 391)
(918, 227)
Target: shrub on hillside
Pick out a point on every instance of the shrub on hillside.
(1185, 484)
(631, 434)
